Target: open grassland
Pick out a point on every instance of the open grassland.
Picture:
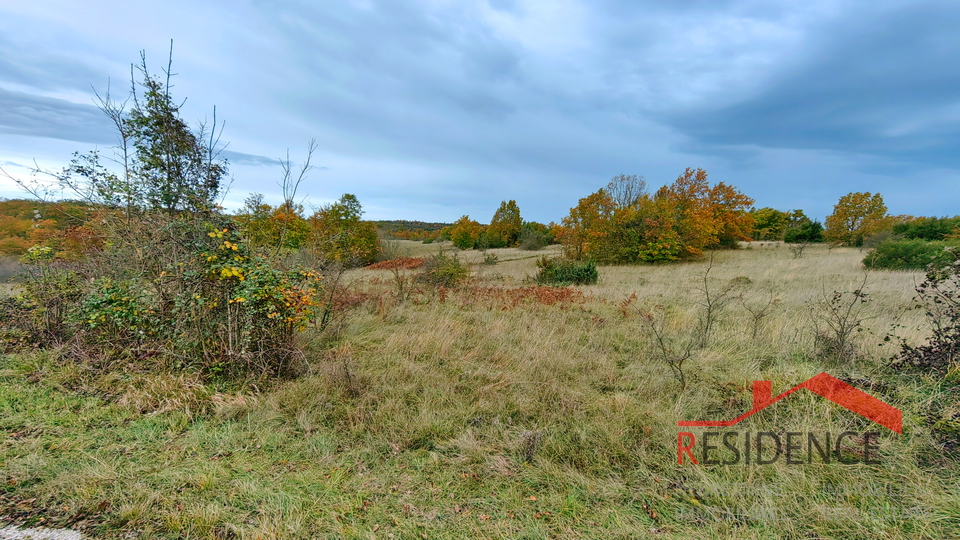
(501, 410)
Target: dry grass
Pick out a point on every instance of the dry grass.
(501, 410)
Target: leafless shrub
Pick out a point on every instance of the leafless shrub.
(837, 318)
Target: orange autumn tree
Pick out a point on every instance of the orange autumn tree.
(585, 231)
(731, 210)
(679, 220)
(687, 204)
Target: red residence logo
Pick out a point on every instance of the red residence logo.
(824, 385)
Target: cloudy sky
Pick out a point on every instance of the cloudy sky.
(431, 109)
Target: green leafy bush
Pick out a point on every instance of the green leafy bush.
(444, 270)
(928, 228)
(566, 271)
(534, 236)
(116, 310)
(908, 255)
(665, 251)
(806, 231)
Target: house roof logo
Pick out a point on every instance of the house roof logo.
(825, 385)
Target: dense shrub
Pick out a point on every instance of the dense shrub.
(532, 239)
(17, 329)
(804, 232)
(928, 228)
(49, 289)
(939, 296)
(444, 270)
(655, 252)
(874, 240)
(559, 271)
(908, 255)
(171, 281)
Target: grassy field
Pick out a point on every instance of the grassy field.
(501, 410)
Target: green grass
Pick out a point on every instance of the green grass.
(488, 416)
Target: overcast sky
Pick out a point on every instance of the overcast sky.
(431, 109)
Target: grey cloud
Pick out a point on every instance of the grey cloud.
(455, 102)
(37, 116)
(240, 158)
(46, 70)
(876, 83)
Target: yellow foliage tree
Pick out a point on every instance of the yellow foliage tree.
(465, 232)
(338, 234)
(504, 228)
(856, 216)
(731, 212)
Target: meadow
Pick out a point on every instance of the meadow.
(503, 409)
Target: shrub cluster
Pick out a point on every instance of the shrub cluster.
(162, 278)
(939, 296)
(908, 255)
(679, 220)
(444, 270)
(559, 271)
(534, 236)
(199, 299)
(928, 228)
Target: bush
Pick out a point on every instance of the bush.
(908, 255)
(656, 252)
(217, 306)
(939, 296)
(533, 239)
(566, 272)
(928, 228)
(808, 231)
(49, 289)
(444, 270)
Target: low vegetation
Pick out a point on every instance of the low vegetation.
(499, 409)
(560, 271)
(910, 254)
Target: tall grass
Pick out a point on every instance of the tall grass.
(495, 412)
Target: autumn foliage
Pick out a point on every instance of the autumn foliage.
(680, 220)
(64, 226)
(504, 228)
(465, 233)
(334, 233)
(856, 216)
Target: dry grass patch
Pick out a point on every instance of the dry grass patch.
(499, 410)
